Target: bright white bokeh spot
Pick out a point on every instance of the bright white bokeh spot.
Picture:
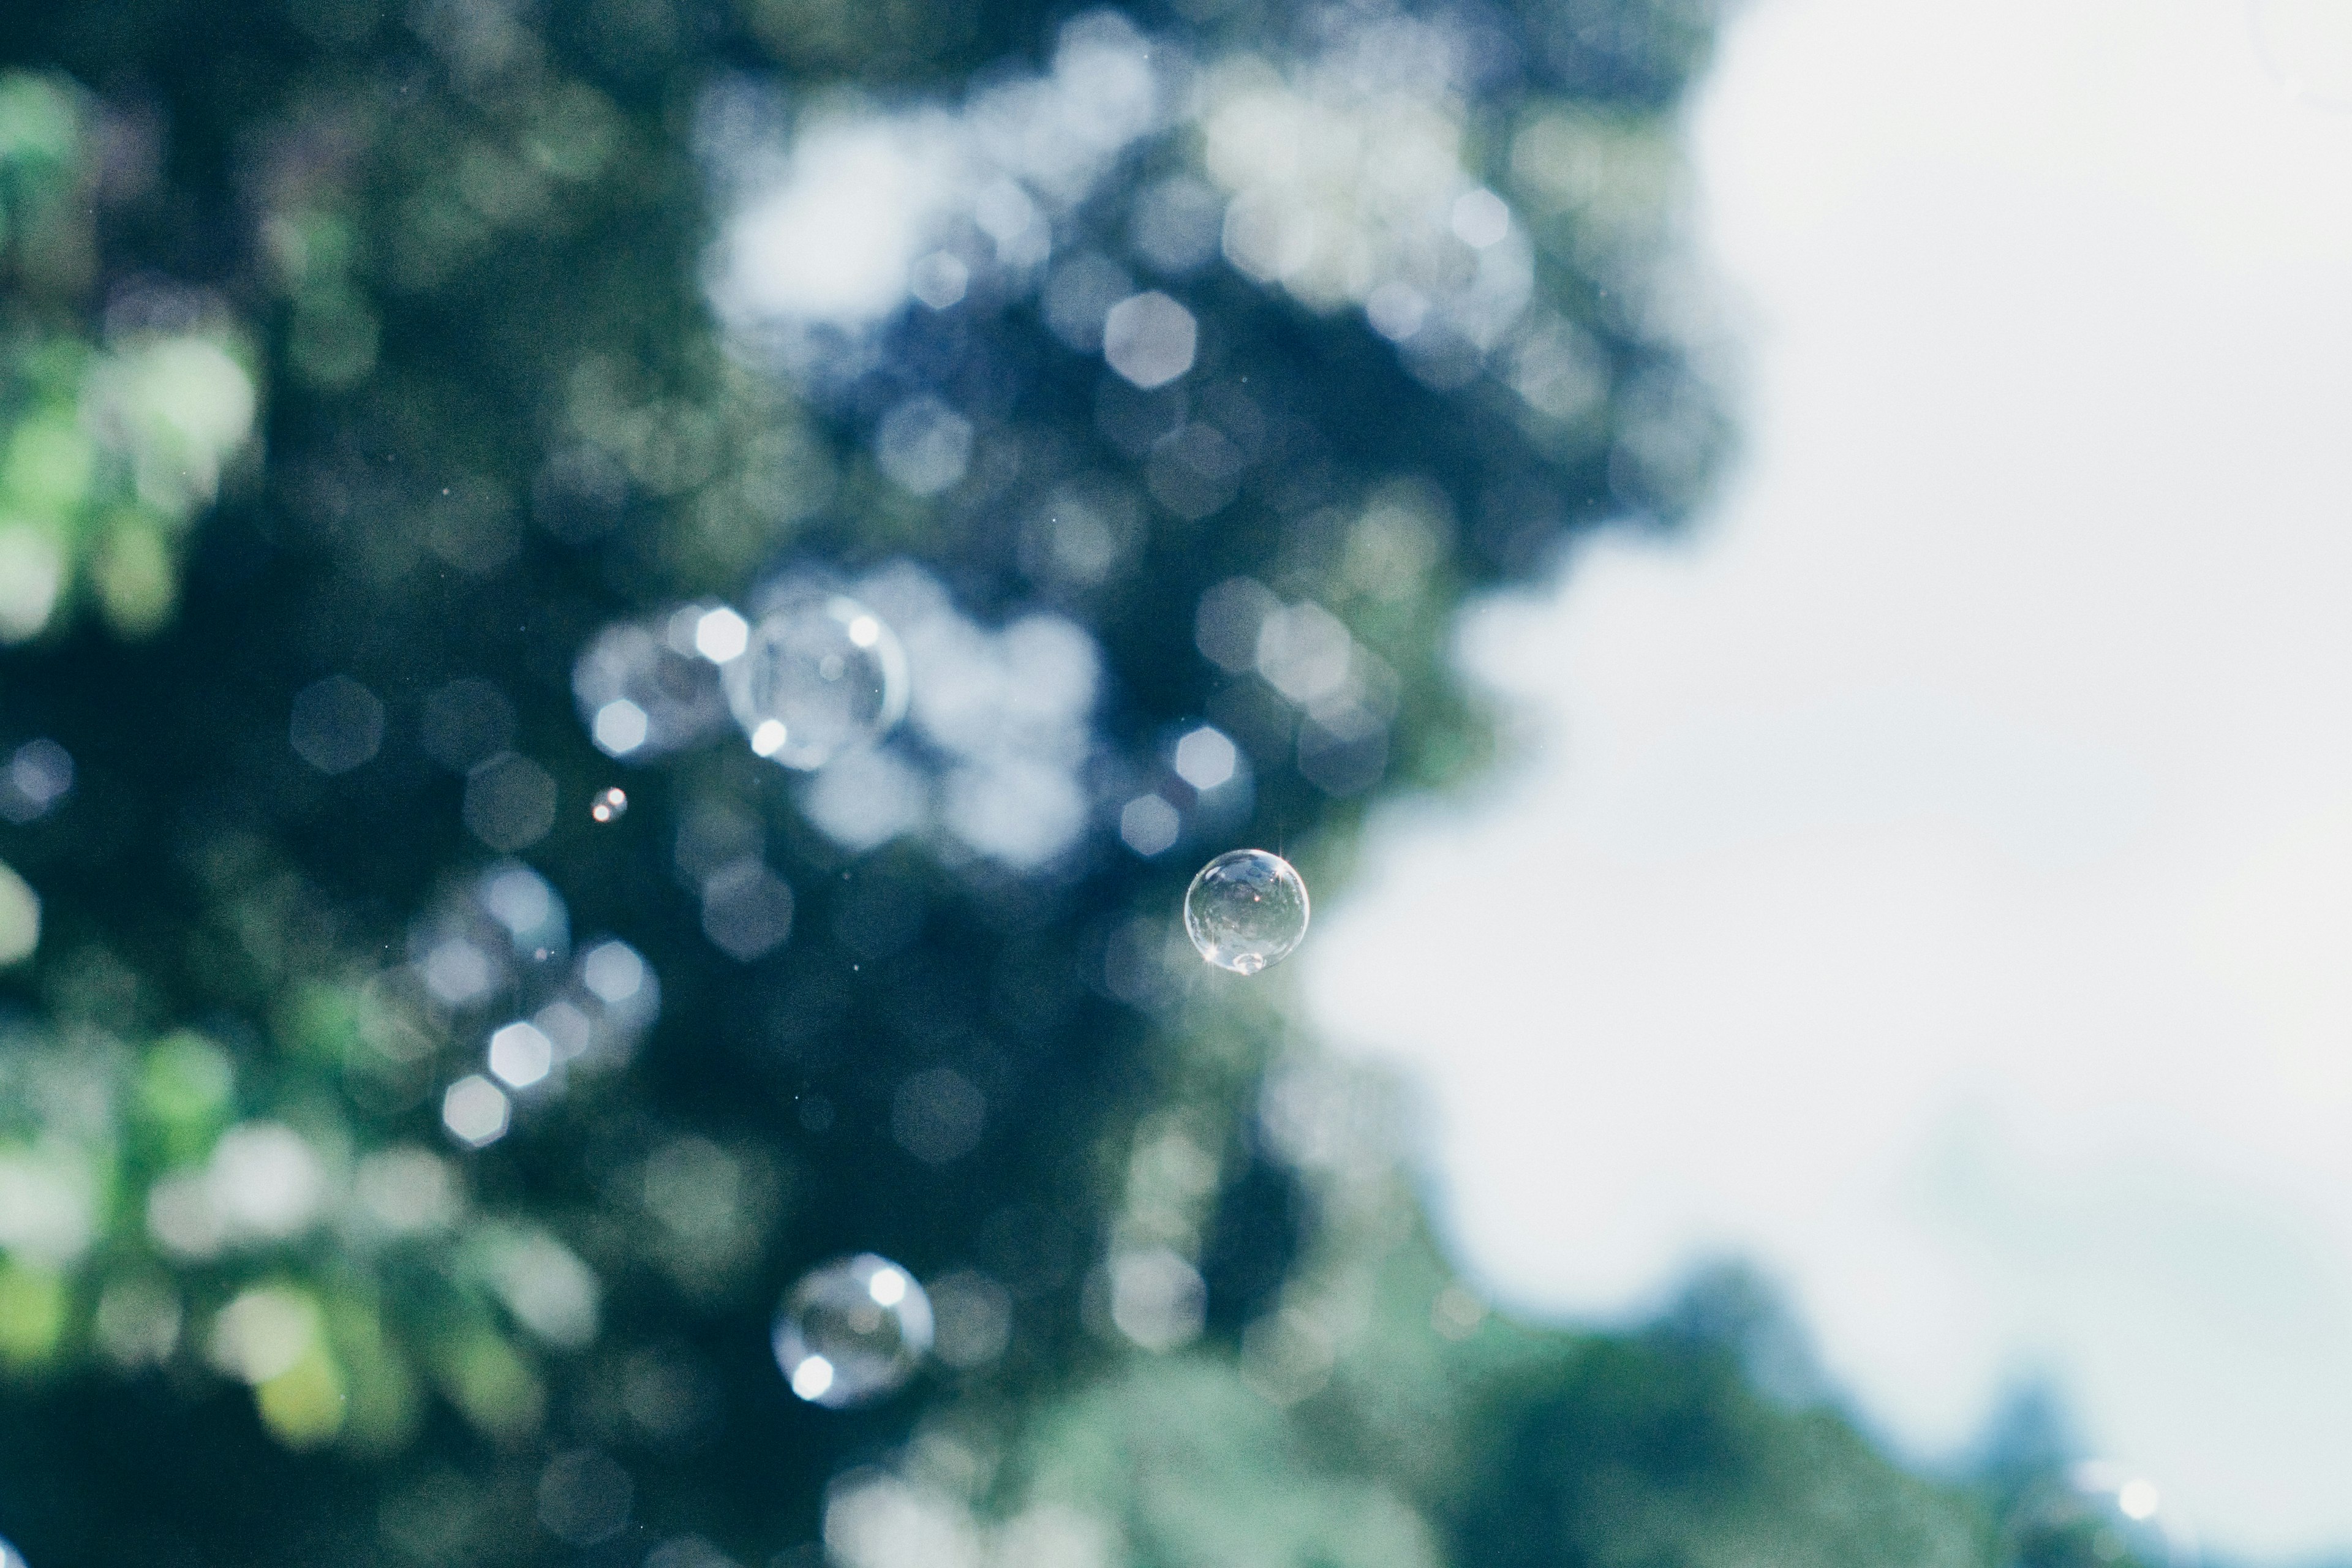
(619, 728)
(1246, 909)
(1205, 758)
(2097, 1510)
(520, 1055)
(265, 1181)
(475, 1111)
(812, 1379)
(767, 737)
(889, 1287)
(835, 239)
(1149, 339)
(611, 803)
(720, 635)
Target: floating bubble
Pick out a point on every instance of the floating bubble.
(822, 675)
(610, 804)
(2098, 1515)
(2307, 46)
(852, 1331)
(1245, 910)
(646, 690)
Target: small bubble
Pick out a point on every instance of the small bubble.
(852, 1331)
(2098, 1515)
(610, 804)
(645, 689)
(1245, 910)
(821, 675)
(2306, 45)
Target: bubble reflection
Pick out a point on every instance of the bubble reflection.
(1246, 909)
(852, 1332)
(821, 675)
(2307, 46)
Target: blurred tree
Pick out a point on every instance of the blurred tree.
(376, 384)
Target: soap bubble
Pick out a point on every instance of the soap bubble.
(645, 690)
(2098, 1515)
(2307, 46)
(852, 1332)
(1246, 909)
(822, 675)
(610, 804)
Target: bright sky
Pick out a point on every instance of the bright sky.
(1935, 880)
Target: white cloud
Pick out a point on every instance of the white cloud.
(1937, 882)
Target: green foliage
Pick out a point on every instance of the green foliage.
(356, 367)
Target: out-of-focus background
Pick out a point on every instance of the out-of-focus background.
(1928, 877)
(623, 625)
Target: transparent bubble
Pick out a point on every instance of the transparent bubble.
(644, 690)
(2307, 46)
(2098, 1515)
(520, 1054)
(823, 675)
(852, 1332)
(1246, 909)
(609, 804)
